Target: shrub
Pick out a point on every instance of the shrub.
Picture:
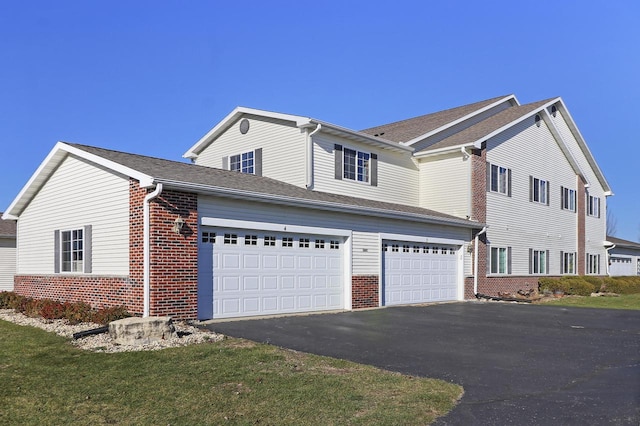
(77, 312)
(10, 300)
(51, 309)
(622, 285)
(596, 281)
(569, 285)
(106, 315)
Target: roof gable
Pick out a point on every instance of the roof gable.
(7, 228)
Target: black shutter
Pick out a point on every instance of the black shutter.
(257, 162)
(509, 182)
(530, 188)
(548, 263)
(56, 251)
(561, 262)
(598, 206)
(374, 169)
(488, 259)
(87, 249)
(530, 261)
(509, 260)
(561, 197)
(548, 192)
(337, 149)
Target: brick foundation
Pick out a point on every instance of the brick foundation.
(492, 285)
(99, 292)
(365, 291)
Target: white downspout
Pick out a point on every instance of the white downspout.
(475, 261)
(310, 156)
(147, 248)
(608, 257)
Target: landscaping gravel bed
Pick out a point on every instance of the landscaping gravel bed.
(102, 342)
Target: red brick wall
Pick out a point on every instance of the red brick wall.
(581, 194)
(492, 285)
(99, 292)
(364, 291)
(174, 257)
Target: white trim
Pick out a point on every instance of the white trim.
(461, 119)
(420, 239)
(275, 227)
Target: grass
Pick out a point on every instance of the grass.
(624, 301)
(45, 380)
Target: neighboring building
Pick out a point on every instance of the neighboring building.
(283, 213)
(624, 257)
(7, 253)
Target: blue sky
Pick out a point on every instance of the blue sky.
(152, 77)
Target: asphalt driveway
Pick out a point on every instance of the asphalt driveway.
(519, 364)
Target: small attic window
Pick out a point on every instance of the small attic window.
(379, 134)
(554, 110)
(538, 120)
(244, 126)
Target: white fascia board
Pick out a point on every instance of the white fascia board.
(583, 145)
(274, 227)
(363, 137)
(445, 150)
(55, 157)
(460, 120)
(195, 150)
(144, 179)
(320, 205)
(514, 122)
(422, 239)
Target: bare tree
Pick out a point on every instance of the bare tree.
(612, 223)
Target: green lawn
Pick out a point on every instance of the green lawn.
(45, 380)
(624, 301)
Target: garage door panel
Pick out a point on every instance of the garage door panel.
(260, 273)
(418, 273)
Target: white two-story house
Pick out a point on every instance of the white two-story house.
(283, 213)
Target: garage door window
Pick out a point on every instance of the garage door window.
(287, 242)
(335, 245)
(303, 243)
(269, 241)
(230, 238)
(209, 237)
(319, 244)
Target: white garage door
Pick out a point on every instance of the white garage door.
(621, 266)
(418, 273)
(248, 273)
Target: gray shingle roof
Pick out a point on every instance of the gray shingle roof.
(208, 177)
(406, 130)
(623, 243)
(485, 127)
(7, 227)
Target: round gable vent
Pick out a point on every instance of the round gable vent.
(244, 126)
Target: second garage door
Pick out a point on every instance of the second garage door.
(418, 273)
(250, 273)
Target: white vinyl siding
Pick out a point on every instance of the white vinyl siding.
(283, 148)
(444, 184)
(517, 222)
(397, 173)
(595, 226)
(77, 194)
(7, 263)
(365, 230)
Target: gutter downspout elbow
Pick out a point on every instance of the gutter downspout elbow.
(147, 249)
(475, 261)
(608, 257)
(465, 154)
(310, 156)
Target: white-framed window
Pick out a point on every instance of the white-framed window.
(303, 243)
(567, 199)
(269, 241)
(335, 245)
(538, 261)
(287, 242)
(593, 264)
(567, 262)
(243, 163)
(72, 250)
(250, 240)
(538, 190)
(499, 179)
(593, 206)
(500, 260)
(356, 165)
(319, 244)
